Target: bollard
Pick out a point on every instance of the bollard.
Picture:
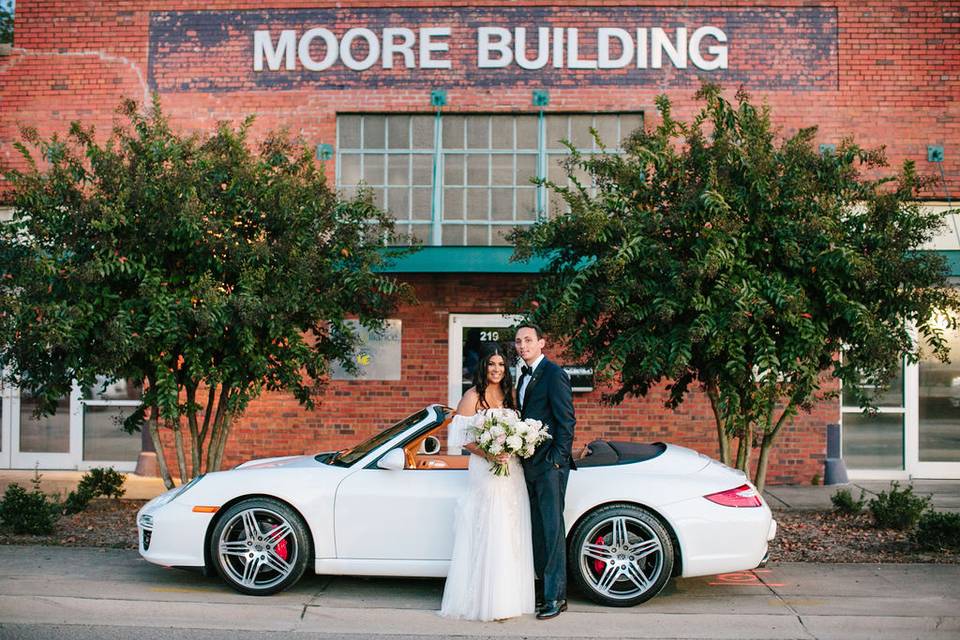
(834, 469)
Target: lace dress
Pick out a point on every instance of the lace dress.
(491, 569)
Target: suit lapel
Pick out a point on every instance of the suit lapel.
(537, 374)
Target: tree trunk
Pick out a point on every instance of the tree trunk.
(723, 439)
(760, 478)
(743, 451)
(213, 464)
(207, 413)
(222, 442)
(191, 390)
(154, 429)
(181, 457)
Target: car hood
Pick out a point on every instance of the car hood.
(280, 462)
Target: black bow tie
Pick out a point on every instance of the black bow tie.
(525, 370)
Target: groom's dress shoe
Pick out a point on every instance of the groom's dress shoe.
(551, 609)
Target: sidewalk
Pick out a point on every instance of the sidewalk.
(945, 493)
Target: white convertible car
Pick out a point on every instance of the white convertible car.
(636, 515)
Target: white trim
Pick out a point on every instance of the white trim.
(877, 474)
(455, 325)
(6, 419)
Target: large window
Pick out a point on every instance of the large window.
(875, 440)
(465, 179)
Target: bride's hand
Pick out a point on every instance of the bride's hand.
(502, 458)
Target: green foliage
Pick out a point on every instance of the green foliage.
(714, 255)
(195, 263)
(94, 483)
(6, 21)
(898, 508)
(28, 512)
(844, 503)
(938, 530)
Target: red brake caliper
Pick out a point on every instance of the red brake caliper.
(281, 547)
(599, 565)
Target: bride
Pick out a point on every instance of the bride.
(491, 570)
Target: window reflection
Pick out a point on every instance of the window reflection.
(939, 404)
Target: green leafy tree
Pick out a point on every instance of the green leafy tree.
(712, 255)
(209, 270)
(6, 21)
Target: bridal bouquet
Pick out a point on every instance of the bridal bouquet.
(499, 431)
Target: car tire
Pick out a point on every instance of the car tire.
(620, 555)
(260, 546)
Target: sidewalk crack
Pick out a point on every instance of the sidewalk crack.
(786, 604)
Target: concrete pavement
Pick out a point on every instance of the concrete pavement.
(56, 592)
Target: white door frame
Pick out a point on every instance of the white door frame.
(914, 466)
(456, 324)
(6, 419)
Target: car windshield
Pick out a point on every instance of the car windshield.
(347, 457)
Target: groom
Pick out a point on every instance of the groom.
(543, 392)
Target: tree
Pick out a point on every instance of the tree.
(711, 255)
(6, 21)
(207, 269)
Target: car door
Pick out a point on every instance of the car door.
(398, 514)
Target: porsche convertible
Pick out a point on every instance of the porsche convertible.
(636, 515)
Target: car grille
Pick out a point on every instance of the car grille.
(146, 539)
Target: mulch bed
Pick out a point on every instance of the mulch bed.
(825, 536)
(803, 536)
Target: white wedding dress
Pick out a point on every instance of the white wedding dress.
(491, 569)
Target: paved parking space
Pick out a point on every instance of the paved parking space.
(63, 592)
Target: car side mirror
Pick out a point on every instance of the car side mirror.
(394, 460)
(430, 446)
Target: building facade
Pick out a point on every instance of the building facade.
(446, 111)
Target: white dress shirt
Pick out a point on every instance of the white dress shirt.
(526, 381)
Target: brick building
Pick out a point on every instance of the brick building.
(446, 111)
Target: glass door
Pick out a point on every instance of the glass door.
(469, 334)
(47, 442)
(933, 441)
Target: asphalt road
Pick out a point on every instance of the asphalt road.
(80, 594)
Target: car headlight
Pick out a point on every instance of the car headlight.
(173, 494)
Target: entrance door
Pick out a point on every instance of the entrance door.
(933, 437)
(469, 333)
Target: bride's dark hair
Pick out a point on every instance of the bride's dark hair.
(480, 377)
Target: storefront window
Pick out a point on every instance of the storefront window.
(47, 434)
(471, 185)
(939, 404)
(875, 441)
(105, 407)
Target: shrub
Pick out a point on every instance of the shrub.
(938, 530)
(843, 502)
(27, 511)
(96, 482)
(103, 482)
(897, 509)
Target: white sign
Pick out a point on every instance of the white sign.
(496, 48)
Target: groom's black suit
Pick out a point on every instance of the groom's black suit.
(548, 399)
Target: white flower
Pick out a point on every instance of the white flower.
(514, 443)
(485, 438)
(496, 431)
(495, 449)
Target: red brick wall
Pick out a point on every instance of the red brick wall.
(895, 83)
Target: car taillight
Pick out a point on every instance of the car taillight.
(742, 496)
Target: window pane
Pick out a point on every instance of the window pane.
(49, 434)
(104, 437)
(501, 166)
(478, 169)
(453, 204)
(628, 123)
(940, 404)
(398, 203)
(399, 132)
(527, 204)
(556, 131)
(453, 132)
(373, 166)
(115, 390)
(892, 397)
(501, 205)
(477, 235)
(373, 132)
(422, 132)
(478, 132)
(453, 170)
(349, 168)
(526, 132)
(500, 236)
(873, 442)
(607, 129)
(501, 132)
(453, 235)
(526, 169)
(555, 170)
(398, 170)
(422, 169)
(580, 132)
(421, 232)
(421, 204)
(478, 204)
(348, 128)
